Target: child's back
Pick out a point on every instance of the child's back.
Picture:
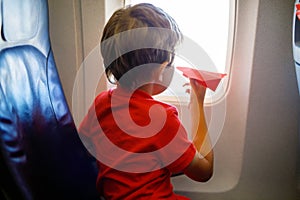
(138, 141)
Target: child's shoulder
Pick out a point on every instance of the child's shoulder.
(169, 108)
(103, 95)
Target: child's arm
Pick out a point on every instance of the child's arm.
(201, 167)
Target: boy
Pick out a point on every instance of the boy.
(139, 142)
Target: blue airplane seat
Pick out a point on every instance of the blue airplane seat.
(42, 156)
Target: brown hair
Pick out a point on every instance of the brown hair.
(121, 54)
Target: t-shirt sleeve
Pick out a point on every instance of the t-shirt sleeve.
(89, 129)
(180, 151)
(183, 161)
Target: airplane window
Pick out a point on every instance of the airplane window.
(208, 25)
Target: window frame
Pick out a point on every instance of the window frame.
(219, 94)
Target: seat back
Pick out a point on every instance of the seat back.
(41, 155)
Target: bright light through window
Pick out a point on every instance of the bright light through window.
(206, 23)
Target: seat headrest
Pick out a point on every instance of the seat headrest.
(24, 22)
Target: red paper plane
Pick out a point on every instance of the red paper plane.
(210, 80)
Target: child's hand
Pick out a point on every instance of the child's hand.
(197, 93)
(198, 90)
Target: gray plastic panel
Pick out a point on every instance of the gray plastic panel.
(296, 44)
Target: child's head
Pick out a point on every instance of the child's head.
(150, 25)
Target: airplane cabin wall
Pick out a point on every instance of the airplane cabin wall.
(271, 150)
(75, 29)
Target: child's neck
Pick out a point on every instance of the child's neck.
(148, 88)
(153, 89)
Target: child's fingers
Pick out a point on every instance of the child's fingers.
(198, 89)
(188, 91)
(186, 84)
(195, 84)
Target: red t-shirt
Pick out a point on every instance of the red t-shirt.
(138, 142)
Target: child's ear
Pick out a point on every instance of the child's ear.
(163, 78)
(164, 64)
(161, 70)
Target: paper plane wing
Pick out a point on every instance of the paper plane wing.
(210, 80)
